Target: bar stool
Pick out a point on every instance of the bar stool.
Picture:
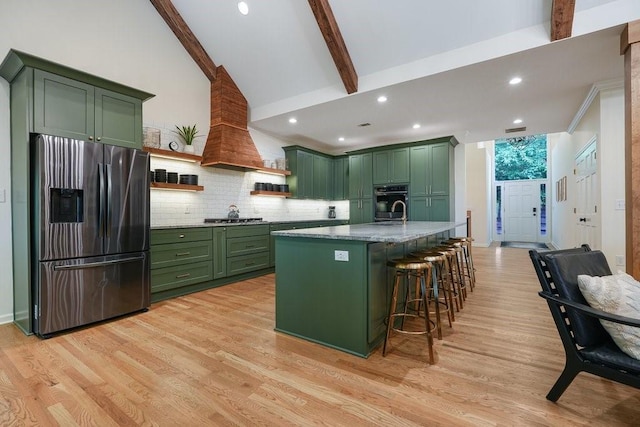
(407, 268)
(467, 259)
(458, 284)
(440, 278)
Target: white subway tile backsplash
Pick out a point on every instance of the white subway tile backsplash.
(224, 187)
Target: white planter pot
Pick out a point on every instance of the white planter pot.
(188, 149)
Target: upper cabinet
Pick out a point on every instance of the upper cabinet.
(391, 166)
(430, 169)
(360, 176)
(311, 174)
(69, 108)
(65, 102)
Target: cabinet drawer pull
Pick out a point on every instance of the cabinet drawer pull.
(182, 276)
(90, 137)
(183, 253)
(181, 236)
(249, 263)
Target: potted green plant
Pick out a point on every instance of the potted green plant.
(188, 134)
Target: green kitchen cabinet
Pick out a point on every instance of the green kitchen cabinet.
(322, 177)
(391, 166)
(340, 178)
(69, 108)
(360, 176)
(360, 188)
(311, 174)
(180, 257)
(248, 248)
(294, 225)
(219, 246)
(360, 211)
(431, 166)
(432, 208)
(430, 188)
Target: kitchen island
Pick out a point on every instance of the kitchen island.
(333, 285)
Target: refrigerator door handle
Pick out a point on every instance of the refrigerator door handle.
(109, 192)
(101, 200)
(97, 264)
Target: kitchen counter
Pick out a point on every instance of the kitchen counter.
(235, 224)
(389, 232)
(333, 285)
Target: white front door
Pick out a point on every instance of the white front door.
(521, 210)
(586, 197)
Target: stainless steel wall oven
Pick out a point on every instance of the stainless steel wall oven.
(385, 197)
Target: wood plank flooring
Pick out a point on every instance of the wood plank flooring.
(212, 358)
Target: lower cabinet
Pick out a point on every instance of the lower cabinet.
(434, 208)
(360, 211)
(247, 248)
(180, 257)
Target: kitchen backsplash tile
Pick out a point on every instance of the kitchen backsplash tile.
(224, 187)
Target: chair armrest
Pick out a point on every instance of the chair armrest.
(590, 311)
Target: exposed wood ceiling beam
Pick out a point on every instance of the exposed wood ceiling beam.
(562, 19)
(332, 36)
(172, 17)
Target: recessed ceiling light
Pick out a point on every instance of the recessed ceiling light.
(515, 81)
(382, 99)
(416, 126)
(341, 139)
(517, 121)
(243, 7)
(293, 120)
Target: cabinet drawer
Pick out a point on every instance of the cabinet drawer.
(180, 253)
(163, 279)
(247, 245)
(180, 235)
(246, 263)
(247, 230)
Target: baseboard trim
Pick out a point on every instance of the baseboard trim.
(6, 318)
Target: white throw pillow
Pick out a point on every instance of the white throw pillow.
(617, 294)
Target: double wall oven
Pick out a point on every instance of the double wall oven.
(385, 196)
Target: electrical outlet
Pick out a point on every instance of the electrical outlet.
(619, 204)
(619, 260)
(3, 195)
(187, 209)
(341, 255)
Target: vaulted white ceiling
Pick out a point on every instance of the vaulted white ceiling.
(444, 65)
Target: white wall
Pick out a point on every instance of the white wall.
(562, 155)
(611, 166)
(476, 192)
(604, 120)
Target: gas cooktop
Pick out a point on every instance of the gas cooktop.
(231, 220)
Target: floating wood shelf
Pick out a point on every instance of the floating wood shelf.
(270, 193)
(183, 187)
(174, 155)
(273, 171)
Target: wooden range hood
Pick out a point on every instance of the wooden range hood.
(229, 144)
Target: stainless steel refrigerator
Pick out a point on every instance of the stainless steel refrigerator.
(90, 232)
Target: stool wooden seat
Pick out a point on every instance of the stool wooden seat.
(415, 305)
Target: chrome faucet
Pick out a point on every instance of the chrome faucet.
(404, 210)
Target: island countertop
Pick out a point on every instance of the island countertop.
(389, 232)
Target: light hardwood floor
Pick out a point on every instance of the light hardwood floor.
(212, 358)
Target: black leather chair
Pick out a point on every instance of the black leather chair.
(588, 347)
